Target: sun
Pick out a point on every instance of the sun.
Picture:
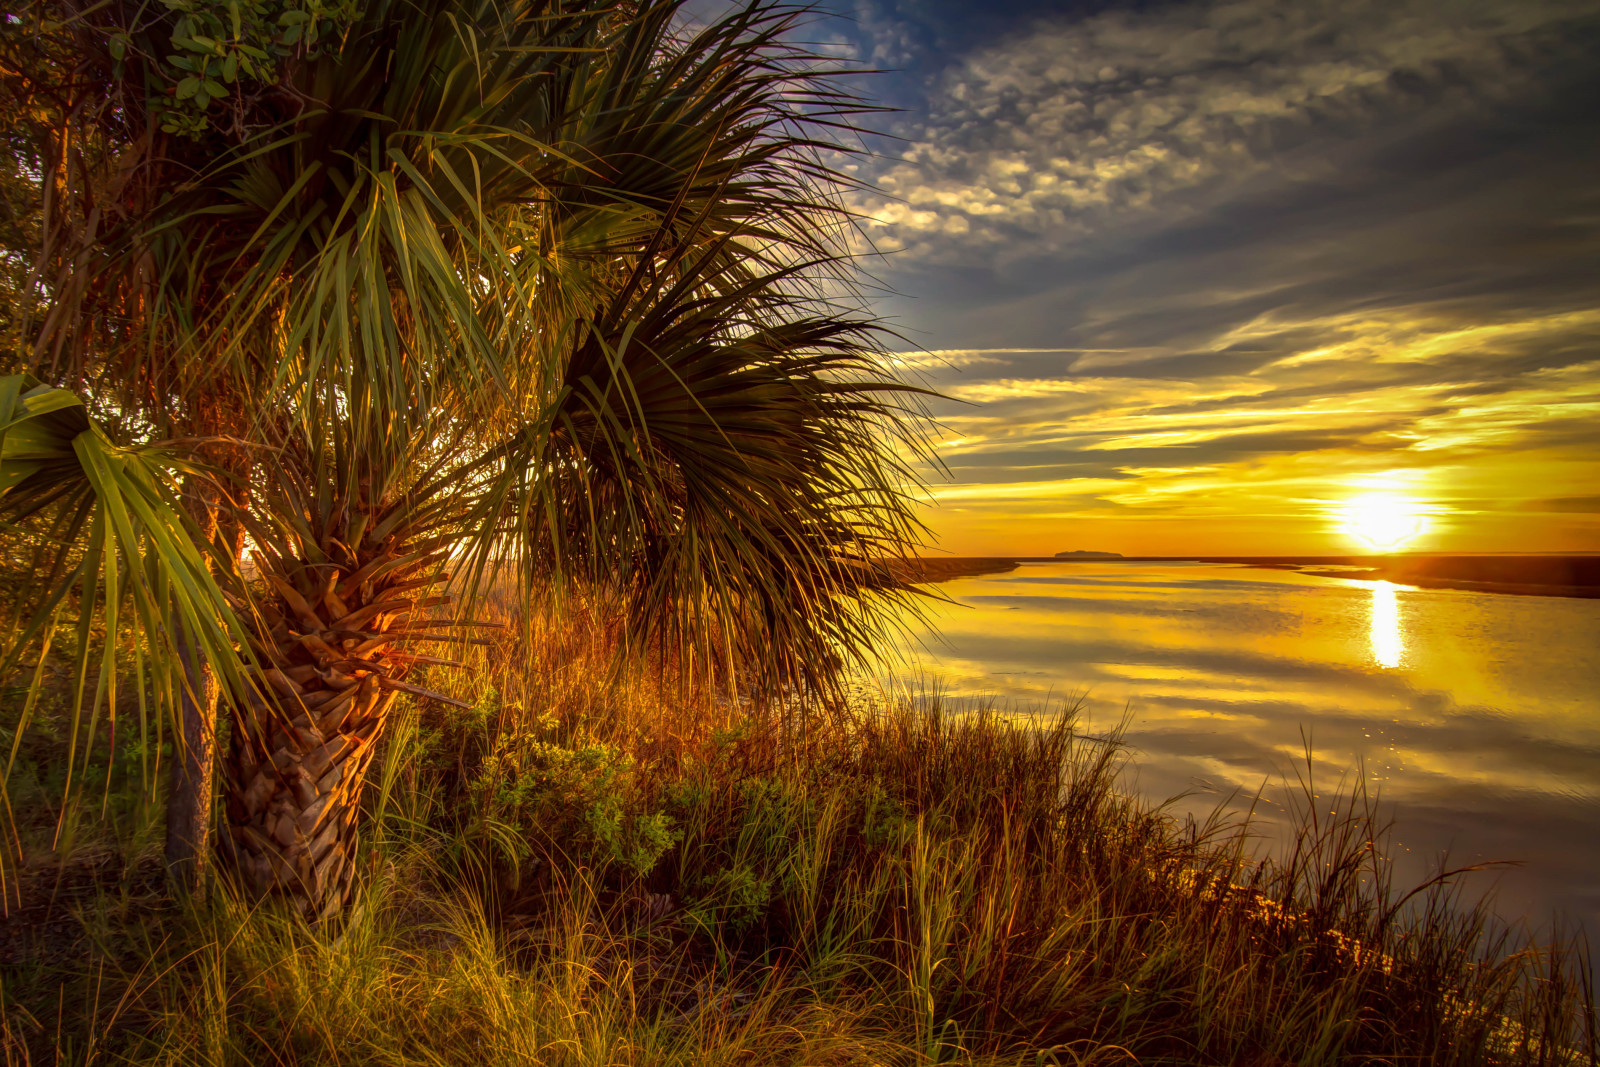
(1383, 520)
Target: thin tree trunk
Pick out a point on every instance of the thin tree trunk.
(192, 770)
(190, 774)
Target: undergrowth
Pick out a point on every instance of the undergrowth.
(596, 866)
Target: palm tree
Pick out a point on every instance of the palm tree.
(454, 292)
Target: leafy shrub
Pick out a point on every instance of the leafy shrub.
(581, 803)
(741, 846)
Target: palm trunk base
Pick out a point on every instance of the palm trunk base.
(295, 793)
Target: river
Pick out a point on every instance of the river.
(1474, 716)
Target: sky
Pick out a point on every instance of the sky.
(1246, 276)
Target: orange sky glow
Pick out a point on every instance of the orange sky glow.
(1473, 478)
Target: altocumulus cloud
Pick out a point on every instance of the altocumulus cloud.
(1221, 262)
(1067, 128)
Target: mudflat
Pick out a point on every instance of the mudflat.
(1541, 575)
(945, 568)
(1576, 575)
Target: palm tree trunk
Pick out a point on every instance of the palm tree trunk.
(294, 790)
(298, 754)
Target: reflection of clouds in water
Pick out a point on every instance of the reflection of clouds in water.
(1408, 759)
(1220, 702)
(1253, 616)
(1276, 707)
(1197, 585)
(1085, 656)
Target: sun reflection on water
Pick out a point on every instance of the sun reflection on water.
(1388, 647)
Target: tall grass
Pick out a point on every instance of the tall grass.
(598, 866)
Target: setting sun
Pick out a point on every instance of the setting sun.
(1383, 520)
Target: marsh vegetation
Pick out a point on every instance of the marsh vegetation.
(589, 867)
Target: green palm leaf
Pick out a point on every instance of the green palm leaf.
(118, 549)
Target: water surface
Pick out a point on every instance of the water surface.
(1476, 716)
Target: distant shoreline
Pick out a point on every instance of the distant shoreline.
(1519, 575)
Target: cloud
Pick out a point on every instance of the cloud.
(1204, 268)
(1586, 505)
(1070, 127)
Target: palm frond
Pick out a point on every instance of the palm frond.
(127, 569)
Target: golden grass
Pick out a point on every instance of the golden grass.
(599, 866)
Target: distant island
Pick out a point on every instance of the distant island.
(1084, 553)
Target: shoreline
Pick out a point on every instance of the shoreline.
(1569, 575)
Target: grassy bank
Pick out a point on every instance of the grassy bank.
(601, 868)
